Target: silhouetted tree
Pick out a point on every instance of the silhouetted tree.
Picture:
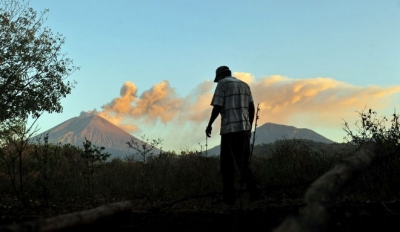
(32, 67)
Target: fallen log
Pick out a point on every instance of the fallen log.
(66, 221)
(319, 196)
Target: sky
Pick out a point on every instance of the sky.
(148, 66)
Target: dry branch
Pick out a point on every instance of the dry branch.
(70, 220)
(318, 198)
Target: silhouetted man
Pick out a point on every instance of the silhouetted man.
(233, 100)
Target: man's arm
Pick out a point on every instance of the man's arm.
(214, 114)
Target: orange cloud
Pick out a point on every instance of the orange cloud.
(160, 102)
(310, 102)
(322, 100)
(123, 104)
(246, 77)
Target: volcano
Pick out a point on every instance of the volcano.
(99, 131)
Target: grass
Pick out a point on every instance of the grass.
(43, 180)
(286, 171)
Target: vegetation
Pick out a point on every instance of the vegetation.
(33, 68)
(54, 176)
(372, 127)
(145, 148)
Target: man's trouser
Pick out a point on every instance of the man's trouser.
(235, 149)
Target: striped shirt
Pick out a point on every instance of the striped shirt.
(234, 97)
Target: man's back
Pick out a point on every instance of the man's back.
(234, 97)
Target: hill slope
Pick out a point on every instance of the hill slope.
(270, 132)
(96, 129)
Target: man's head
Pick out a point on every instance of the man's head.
(221, 73)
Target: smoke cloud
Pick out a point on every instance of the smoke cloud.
(312, 102)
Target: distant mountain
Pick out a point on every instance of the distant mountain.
(270, 132)
(96, 129)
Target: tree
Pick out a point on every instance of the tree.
(144, 147)
(14, 140)
(33, 69)
(91, 155)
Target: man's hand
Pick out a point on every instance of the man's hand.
(214, 114)
(208, 131)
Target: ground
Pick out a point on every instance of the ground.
(258, 217)
(356, 218)
(264, 215)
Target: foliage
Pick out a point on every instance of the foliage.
(383, 176)
(372, 127)
(33, 68)
(37, 168)
(285, 171)
(91, 155)
(14, 139)
(294, 162)
(145, 148)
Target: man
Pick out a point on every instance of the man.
(233, 100)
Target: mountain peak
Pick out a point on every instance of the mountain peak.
(270, 132)
(96, 129)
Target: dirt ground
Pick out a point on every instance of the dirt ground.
(263, 215)
(344, 217)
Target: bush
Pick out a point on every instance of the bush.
(373, 128)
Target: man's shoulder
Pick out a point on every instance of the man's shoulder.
(230, 79)
(227, 79)
(234, 81)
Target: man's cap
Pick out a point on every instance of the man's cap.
(219, 70)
